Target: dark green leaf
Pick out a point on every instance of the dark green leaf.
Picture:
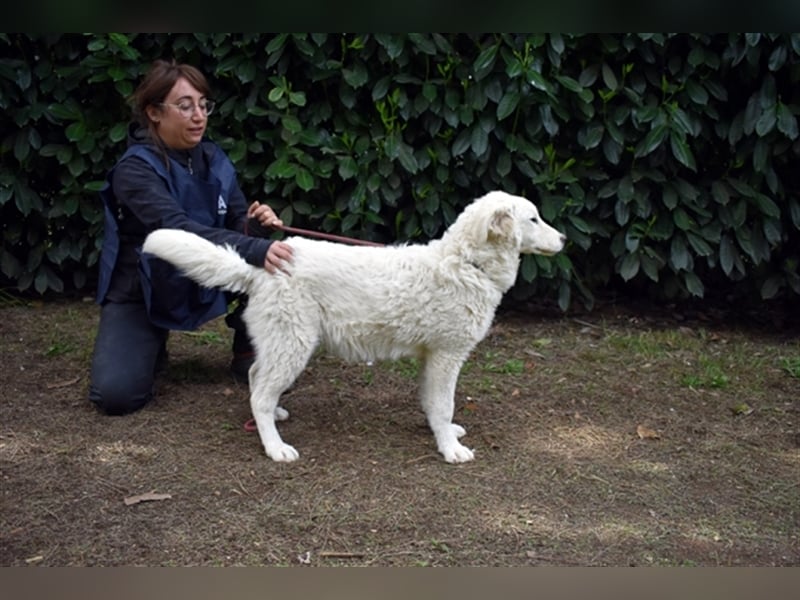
(564, 296)
(727, 254)
(696, 92)
(393, 43)
(589, 75)
(609, 189)
(651, 141)
(693, 284)
(767, 121)
(422, 43)
(479, 140)
(348, 167)
(626, 189)
(297, 98)
(681, 151)
(118, 132)
(508, 104)
(9, 265)
(787, 122)
(570, 84)
(767, 206)
(679, 253)
(503, 164)
(304, 180)
(381, 88)
(429, 92)
(356, 75)
(772, 231)
(650, 266)
(719, 191)
(407, 159)
(391, 146)
(539, 82)
(92, 186)
(66, 111)
(771, 287)
(590, 136)
(682, 123)
(528, 269)
(485, 61)
(550, 124)
(461, 143)
(21, 146)
(612, 150)
(700, 246)
(794, 212)
(777, 58)
(682, 219)
(609, 78)
(75, 131)
(761, 155)
(622, 212)
(629, 266)
(77, 166)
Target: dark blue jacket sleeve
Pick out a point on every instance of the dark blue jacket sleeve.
(146, 197)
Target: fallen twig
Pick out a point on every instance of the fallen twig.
(336, 554)
(60, 384)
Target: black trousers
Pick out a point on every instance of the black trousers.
(126, 350)
(129, 352)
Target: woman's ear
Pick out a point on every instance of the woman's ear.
(153, 113)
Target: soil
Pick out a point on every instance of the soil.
(618, 437)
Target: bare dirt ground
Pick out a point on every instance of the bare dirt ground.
(611, 438)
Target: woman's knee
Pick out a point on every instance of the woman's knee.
(118, 399)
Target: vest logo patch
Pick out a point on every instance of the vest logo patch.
(222, 206)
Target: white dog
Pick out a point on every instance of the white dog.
(434, 302)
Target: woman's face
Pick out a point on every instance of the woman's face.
(179, 120)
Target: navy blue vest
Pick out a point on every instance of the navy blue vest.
(172, 300)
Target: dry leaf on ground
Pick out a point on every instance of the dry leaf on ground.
(646, 433)
(148, 497)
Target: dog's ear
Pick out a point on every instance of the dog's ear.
(501, 224)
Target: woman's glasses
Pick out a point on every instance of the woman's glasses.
(187, 107)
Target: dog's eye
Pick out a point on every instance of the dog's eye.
(534, 219)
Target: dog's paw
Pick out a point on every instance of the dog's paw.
(283, 453)
(458, 454)
(281, 414)
(458, 430)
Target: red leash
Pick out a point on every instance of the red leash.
(325, 236)
(250, 424)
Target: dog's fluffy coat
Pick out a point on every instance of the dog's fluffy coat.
(434, 302)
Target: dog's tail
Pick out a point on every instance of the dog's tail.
(202, 261)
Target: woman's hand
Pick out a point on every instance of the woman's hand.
(264, 214)
(278, 257)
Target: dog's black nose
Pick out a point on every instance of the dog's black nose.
(563, 239)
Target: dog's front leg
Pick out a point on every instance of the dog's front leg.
(437, 392)
(274, 446)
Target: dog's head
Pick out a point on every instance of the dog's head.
(500, 218)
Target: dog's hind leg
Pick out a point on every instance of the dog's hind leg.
(271, 374)
(437, 392)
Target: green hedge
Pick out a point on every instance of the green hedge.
(669, 160)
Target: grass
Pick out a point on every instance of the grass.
(710, 373)
(792, 366)
(206, 337)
